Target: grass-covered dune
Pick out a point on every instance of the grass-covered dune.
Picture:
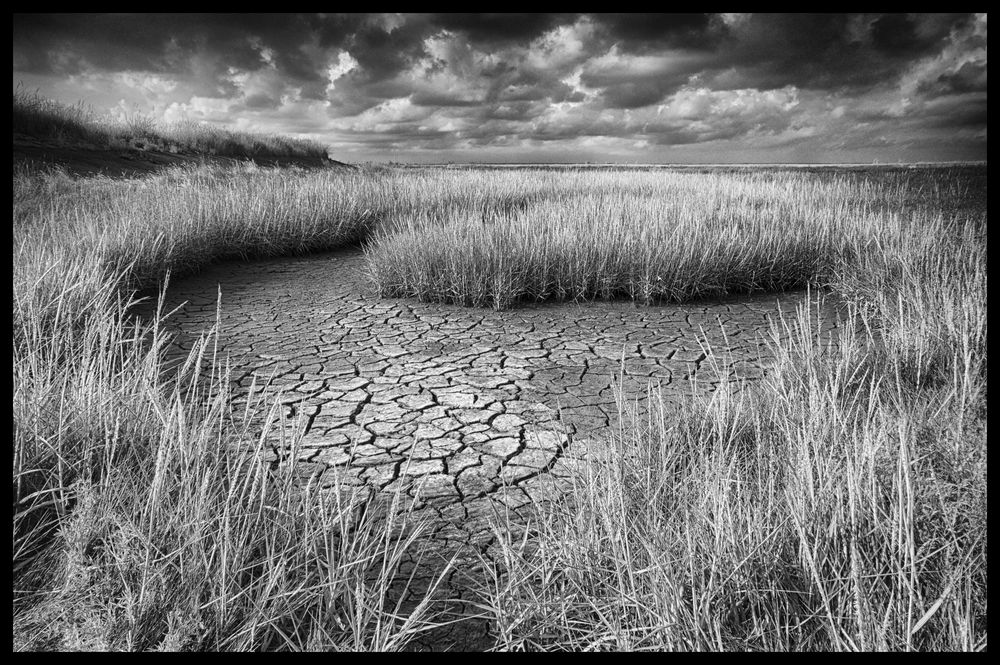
(839, 505)
(75, 137)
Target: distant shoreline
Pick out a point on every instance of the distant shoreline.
(620, 165)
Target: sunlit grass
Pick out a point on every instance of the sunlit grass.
(642, 235)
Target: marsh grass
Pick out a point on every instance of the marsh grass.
(146, 516)
(649, 237)
(840, 505)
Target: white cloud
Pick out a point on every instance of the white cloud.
(385, 116)
(211, 109)
(704, 104)
(345, 64)
(562, 46)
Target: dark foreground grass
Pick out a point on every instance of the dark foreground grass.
(841, 505)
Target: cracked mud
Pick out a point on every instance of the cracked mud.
(463, 409)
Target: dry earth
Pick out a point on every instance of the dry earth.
(464, 409)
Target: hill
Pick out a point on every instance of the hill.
(51, 134)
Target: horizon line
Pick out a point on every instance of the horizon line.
(967, 162)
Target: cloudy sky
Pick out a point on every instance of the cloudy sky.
(674, 88)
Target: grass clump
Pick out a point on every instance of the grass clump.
(644, 236)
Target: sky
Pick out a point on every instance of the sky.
(631, 88)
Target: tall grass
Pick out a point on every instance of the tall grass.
(644, 236)
(36, 116)
(146, 518)
(45, 119)
(144, 515)
(842, 505)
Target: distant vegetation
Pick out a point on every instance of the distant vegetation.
(44, 119)
(840, 504)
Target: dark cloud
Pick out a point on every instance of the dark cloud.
(137, 41)
(383, 52)
(967, 114)
(632, 82)
(496, 29)
(642, 32)
(824, 51)
(634, 95)
(969, 77)
(436, 80)
(907, 34)
(261, 101)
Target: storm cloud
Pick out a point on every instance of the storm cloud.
(538, 87)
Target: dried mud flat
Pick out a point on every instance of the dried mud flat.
(470, 411)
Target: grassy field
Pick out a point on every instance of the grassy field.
(839, 505)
